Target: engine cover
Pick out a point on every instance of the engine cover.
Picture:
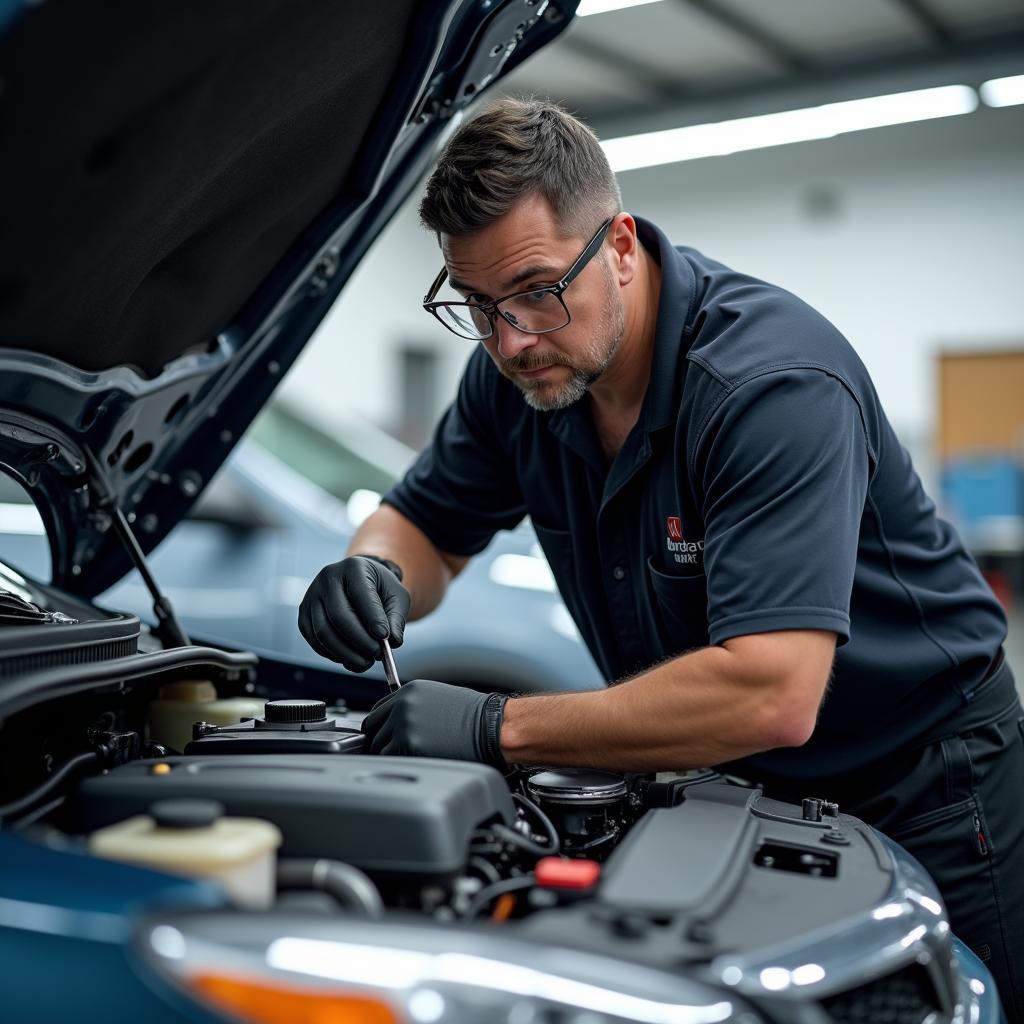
(726, 870)
(390, 816)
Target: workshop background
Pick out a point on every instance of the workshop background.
(901, 218)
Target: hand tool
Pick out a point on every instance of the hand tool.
(390, 669)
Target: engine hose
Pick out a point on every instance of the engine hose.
(545, 821)
(514, 838)
(348, 885)
(484, 867)
(491, 892)
(72, 766)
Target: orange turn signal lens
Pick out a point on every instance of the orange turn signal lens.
(263, 1003)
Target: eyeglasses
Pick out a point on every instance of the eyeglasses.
(536, 311)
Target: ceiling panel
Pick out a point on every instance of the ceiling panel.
(978, 17)
(577, 82)
(825, 29)
(679, 41)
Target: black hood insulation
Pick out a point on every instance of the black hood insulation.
(160, 159)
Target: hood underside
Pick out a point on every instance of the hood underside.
(185, 189)
(168, 155)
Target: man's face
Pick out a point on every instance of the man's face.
(522, 250)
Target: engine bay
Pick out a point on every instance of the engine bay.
(683, 865)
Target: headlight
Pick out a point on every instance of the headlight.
(273, 968)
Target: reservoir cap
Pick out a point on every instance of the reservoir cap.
(288, 711)
(186, 813)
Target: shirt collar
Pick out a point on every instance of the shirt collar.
(668, 364)
(675, 301)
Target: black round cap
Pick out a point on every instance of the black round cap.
(186, 813)
(295, 711)
(573, 784)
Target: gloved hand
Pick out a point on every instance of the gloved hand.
(351, 606)
(430, 719)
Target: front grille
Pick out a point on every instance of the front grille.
(904, 997)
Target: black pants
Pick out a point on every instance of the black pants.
(957, 804)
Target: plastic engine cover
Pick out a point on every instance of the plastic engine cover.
(394, 816)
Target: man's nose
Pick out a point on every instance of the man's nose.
(511, 340)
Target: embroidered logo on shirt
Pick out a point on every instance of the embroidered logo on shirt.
(685, 552)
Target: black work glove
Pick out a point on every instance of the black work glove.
(351, 606)
(430, 719)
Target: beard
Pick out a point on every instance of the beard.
(585, 368)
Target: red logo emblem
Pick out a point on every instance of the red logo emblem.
(674, 525)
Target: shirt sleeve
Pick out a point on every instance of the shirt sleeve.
(462, 488)
(784, 464)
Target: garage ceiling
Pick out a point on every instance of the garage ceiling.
(671, 54)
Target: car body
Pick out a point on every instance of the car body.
(169, 250)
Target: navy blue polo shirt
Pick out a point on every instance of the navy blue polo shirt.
(761, 489)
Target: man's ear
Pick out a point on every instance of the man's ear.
(625, 247)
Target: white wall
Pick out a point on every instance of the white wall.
(924, 249)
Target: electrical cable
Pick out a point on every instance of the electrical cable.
(27, 820)
(485, 867)
(69, 768)
(592, 844)
(484, 897)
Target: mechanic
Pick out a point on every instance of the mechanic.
(738, 534)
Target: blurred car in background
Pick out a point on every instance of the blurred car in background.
(285, 505)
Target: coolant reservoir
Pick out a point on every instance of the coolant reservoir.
(193, 838)
(180, 705)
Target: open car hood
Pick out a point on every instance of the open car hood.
(186, 188)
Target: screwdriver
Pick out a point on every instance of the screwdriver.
(389, 666)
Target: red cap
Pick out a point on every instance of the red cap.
(556, 873)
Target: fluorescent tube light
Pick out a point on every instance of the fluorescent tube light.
(723, 137)
(1003, 92)
(604, 6)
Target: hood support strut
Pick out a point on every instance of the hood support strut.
(168, 628)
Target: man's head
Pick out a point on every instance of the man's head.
(515, 199)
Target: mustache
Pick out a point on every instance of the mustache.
(527, 361)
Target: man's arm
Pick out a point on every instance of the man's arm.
(426, 571)
(716, 704)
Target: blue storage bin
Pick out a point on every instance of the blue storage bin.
(980, 487)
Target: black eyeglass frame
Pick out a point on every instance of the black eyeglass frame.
(491, 309)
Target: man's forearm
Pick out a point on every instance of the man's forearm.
(703, 708)
(426, 572)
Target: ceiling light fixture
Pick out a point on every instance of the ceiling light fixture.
(1003, 92)
(764, 130)
(604, 6)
